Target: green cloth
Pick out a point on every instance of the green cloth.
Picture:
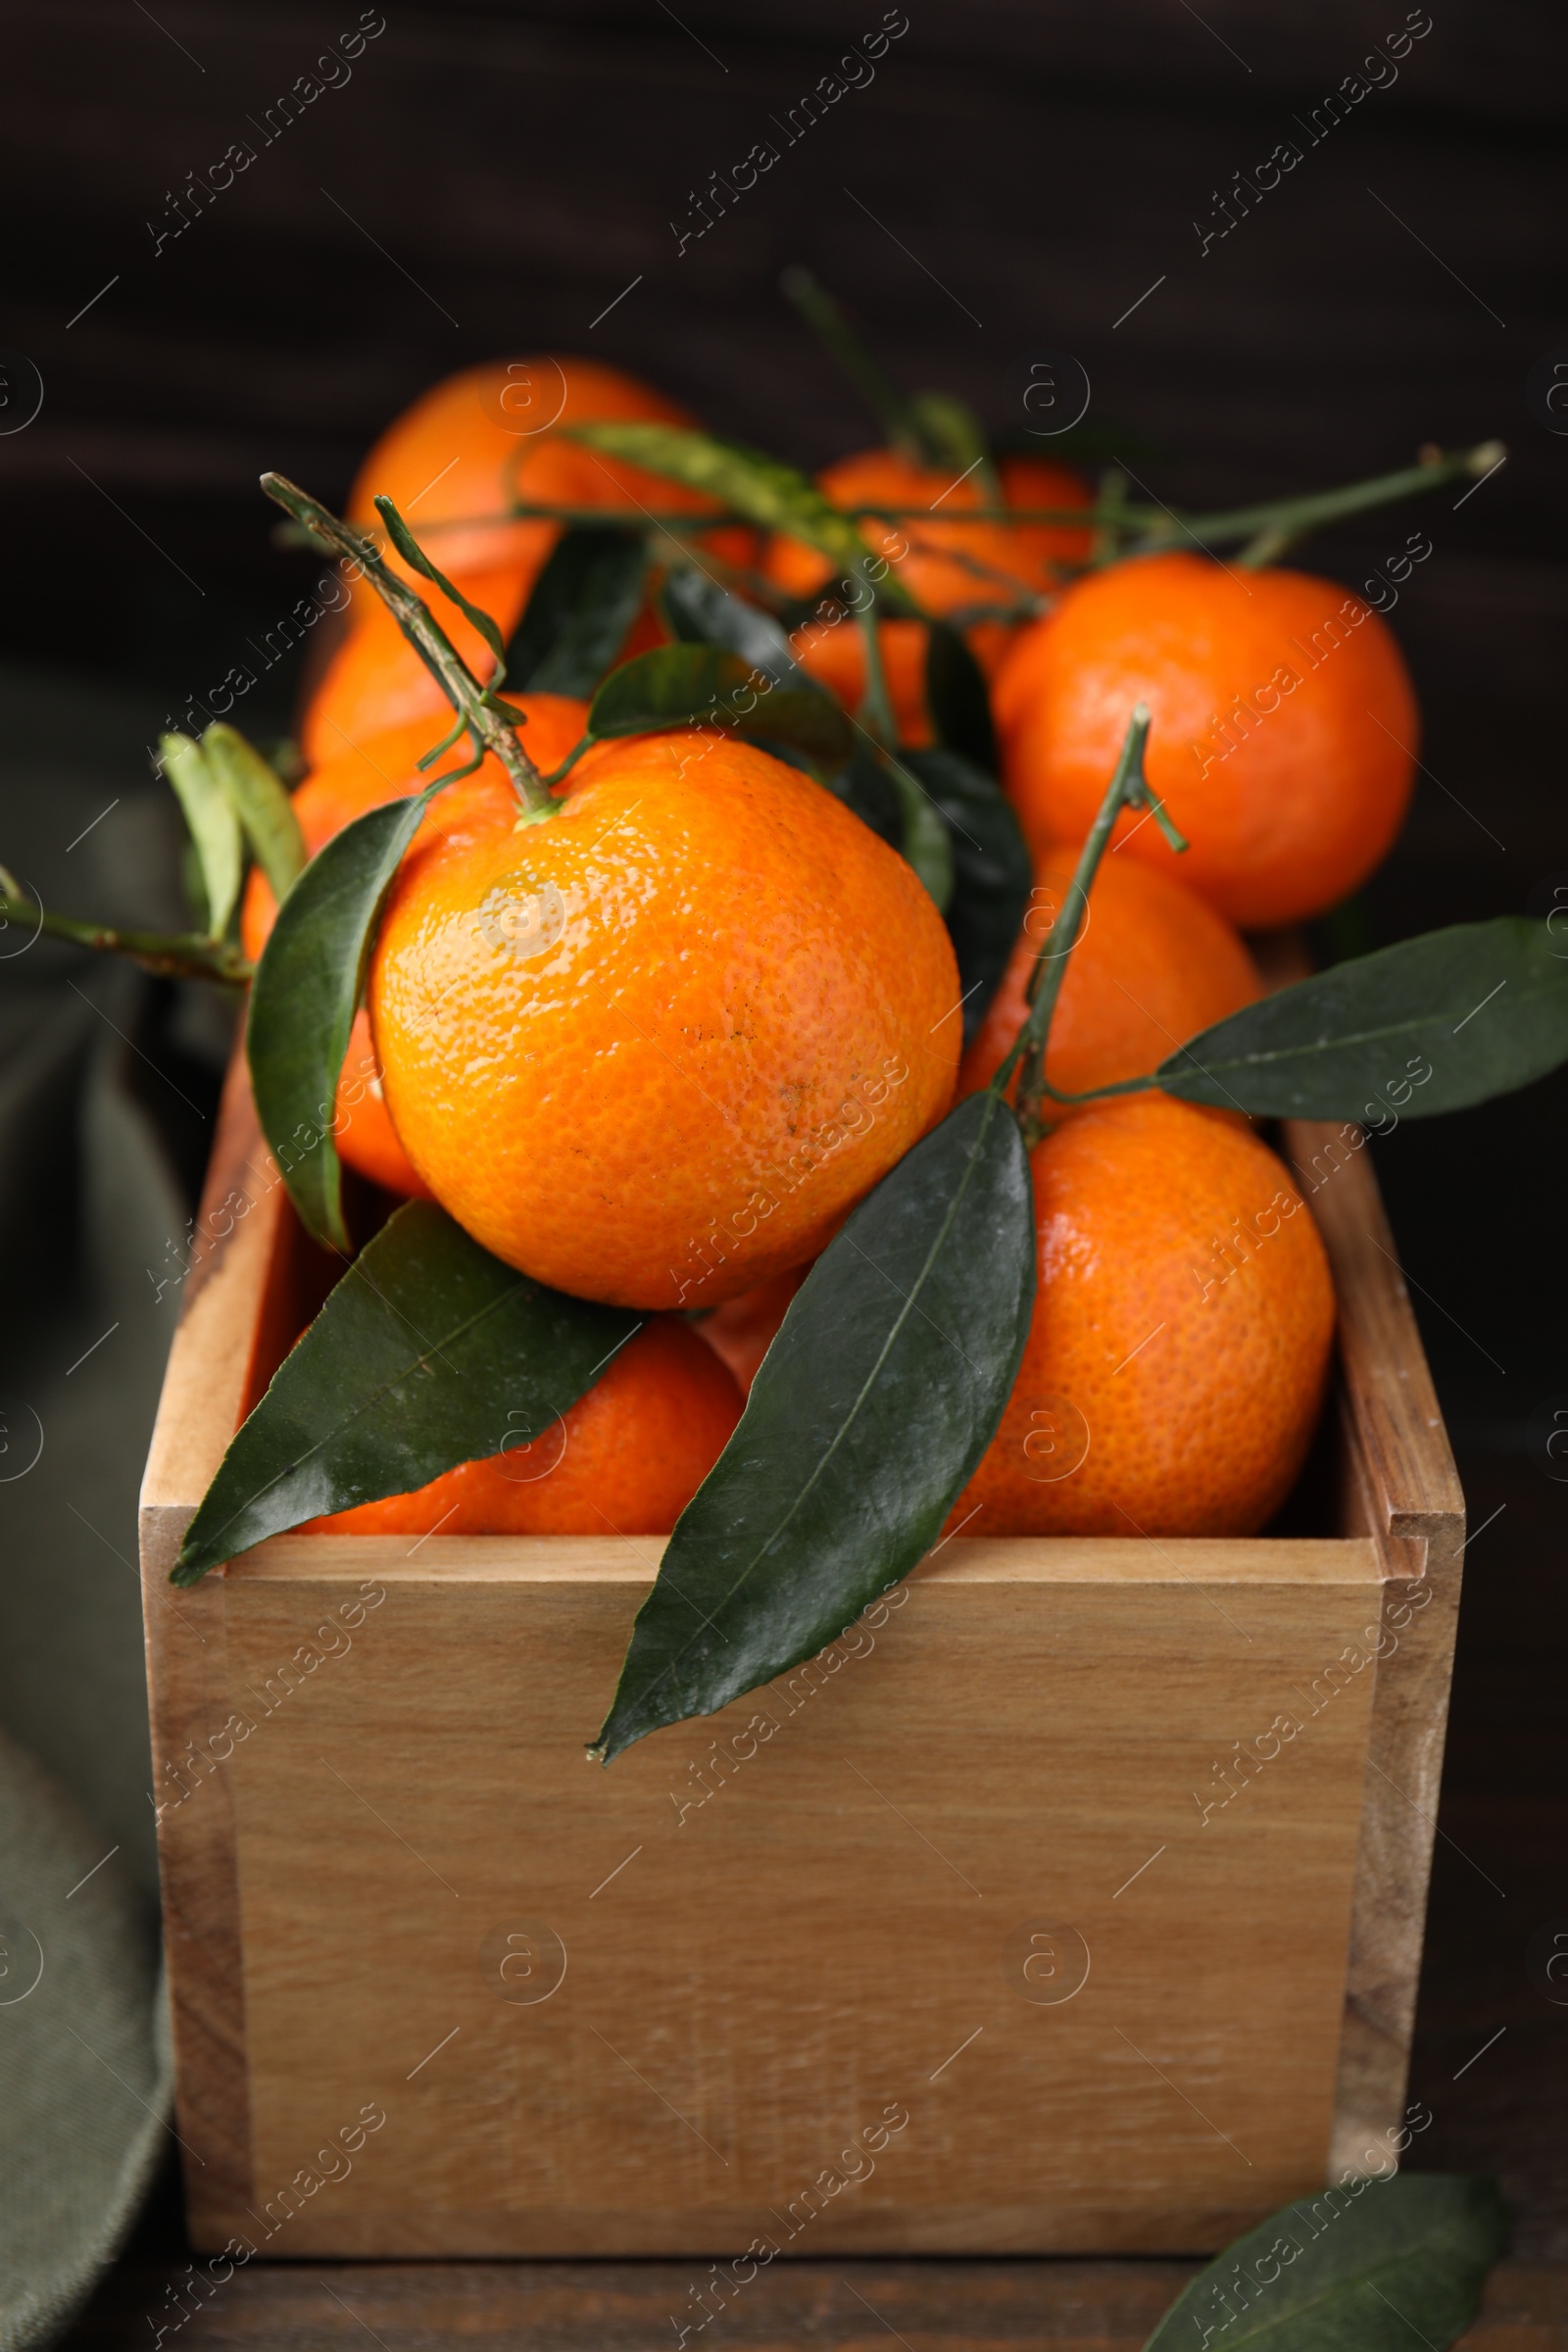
(91, 1216)
(84, 2071)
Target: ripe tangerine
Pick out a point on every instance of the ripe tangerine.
(1284, 727)
(452, 464)
(1153, 966)
(626, 1460)
(1179, 1349)
(741, 1330)
(652, 1049)
(454, 460)
(947, 564)
(384, 769)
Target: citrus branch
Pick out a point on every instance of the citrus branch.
(174, 955)
(1288, 517)
(488, 720)
(1273, 526)
(890, 407)
(1112, 525)
(1128, 789)
(877, 706)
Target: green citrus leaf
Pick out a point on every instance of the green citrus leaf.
(412, 552)
(883, 396)
(674, 683)
(875, 1401)
(304, 997)
(429, 1352)
(583, 604)
(213, 825)
(957, 700)
(867, 787)
(1373, 2265)
(1435, 1023)
(925, 839)
(992, 873)
(762, 488)
(702, 612)
(259, 798)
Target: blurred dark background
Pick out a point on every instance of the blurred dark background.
(1015, 177)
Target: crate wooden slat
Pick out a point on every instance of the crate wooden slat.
(835, 1930)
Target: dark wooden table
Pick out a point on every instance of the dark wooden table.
(626, 2307)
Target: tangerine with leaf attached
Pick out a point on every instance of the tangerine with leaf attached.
(454, 464)
(385, 769)
(1153, 966)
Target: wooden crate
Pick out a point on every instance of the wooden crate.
(978, 1948)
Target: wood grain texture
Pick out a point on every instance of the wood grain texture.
(850, 2306)
(1400, 1486)
(203, 1399)
(251, 1283)
(781, 1922)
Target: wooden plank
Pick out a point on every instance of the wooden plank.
(1257, 1560)
(1402, 1488)
(253, 1281)
(205, 1387)
(849, 2306)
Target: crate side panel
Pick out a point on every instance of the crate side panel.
(838, 1918)
(1400, 1487)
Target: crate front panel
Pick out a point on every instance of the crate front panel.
(811, 1976)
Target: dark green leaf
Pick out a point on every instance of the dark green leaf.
(887, 795)
(412, 552)
(1435, 1023)
(873, 1408)
(429, 1352)
(992, 873)
(925, 839)
(956, 698)
(702, 612)
(887, 402)
(259, 798)
(867, 787)
(751, 483)
(583, 604)
(678, 682)
(1372, 2265)
(304, 997)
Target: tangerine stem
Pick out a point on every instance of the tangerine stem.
(1293, 515)
(877, 703)
(1128, 789)
(1112, 506)
(173, 955)
(1275, 523)
(893, 409)
(486, 718)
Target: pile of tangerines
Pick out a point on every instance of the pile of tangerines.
(737, 1006)
(654, 994)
